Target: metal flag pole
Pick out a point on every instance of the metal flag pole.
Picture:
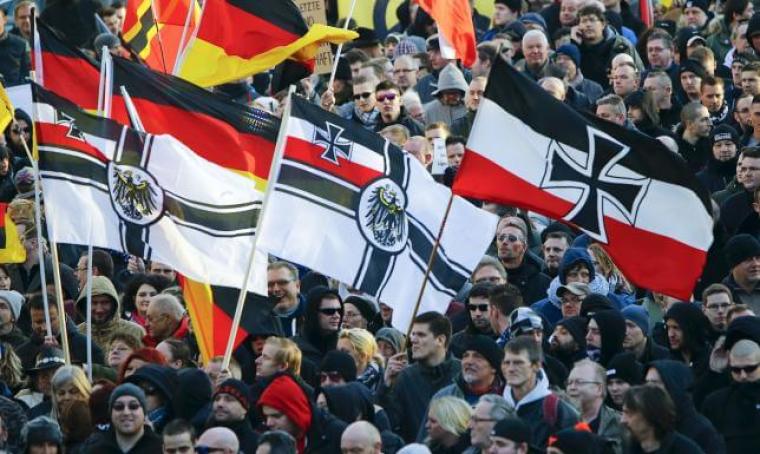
(158, 35)
(426, 277)
(134, 117)
(340, 46)
(181, 47)
(89, 303)
(273, 174)
(181, 56)
(59, 299)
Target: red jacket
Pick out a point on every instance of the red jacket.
(182, 330)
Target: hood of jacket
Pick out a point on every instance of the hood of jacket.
(612, 329)
(678, 380)
(350, 402)
(540, 391)
(753, 27)
(101, 285)
(572, 257)
(451, 78)
(693, 323)
(310, 330)
(598, 285)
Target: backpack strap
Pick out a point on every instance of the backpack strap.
(551, 407)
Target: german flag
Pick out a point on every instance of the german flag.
(212, 309)
(228, 134)
(154, 30)
(6, 109)
(237, 38)
(11, 249)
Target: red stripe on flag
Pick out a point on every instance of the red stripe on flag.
(223, 330)
(3, 211)
(57, 136)
(675, 271)
(311, 154)
(84, 93)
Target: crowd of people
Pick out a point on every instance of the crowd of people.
(548, 348)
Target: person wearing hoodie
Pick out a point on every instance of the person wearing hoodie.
(319, 334)
(675, 378)
(192, 397)
(159, 383)
(448, 105)
(427, 85)
(568, 341)
(478, 321)
(231, 404)
(604, 339)
(687, 329)
(599, 44)
(576, 266)
(721, 163)
(637, 339)
(106, 313)
(11, 302)
(528, 392)
(623, 371)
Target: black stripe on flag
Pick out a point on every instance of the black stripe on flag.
(84, 122)
(519, 96)
(310, 181)
(218, 220)
(75, 166)
(423, 247)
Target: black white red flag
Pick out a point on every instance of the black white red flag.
(622, 188)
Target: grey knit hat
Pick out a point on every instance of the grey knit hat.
(127, 389)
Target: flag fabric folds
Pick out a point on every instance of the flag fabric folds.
(212, 309)
(232, 135)
(454, 19)
(238, 38)
(11, 249)
(625, 190)
(154, 29)
(6, 109)
(351, 205)
(144, 194)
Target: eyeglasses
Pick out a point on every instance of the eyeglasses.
(511, 238)
(386, 97)
(747, 369)
(207, 449)
(477, 419)
(132, 406)
(478, 307)
(364, 95)
(715, 307)
(26, 130)
(330, 311)
(332, 376)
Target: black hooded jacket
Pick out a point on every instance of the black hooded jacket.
(313, 344)
(678, 380)
(694, 327)
(734, 413)
(529, 279)
(192, 397)
(612, 329)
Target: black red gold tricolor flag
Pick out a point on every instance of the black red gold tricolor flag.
(228, 134)
(212, 308)
(237, 38)
(11, 249)
(155, 29)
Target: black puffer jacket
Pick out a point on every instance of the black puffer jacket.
(734, 413)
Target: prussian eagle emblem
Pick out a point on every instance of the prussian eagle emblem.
(383, 212)
(135, 194)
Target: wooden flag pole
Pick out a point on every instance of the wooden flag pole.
(431, 260)
(181, 46)
(273, 174)
(340, 46)
(59, 299)
(89, 304)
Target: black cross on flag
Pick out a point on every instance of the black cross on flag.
(335, 145)
(623, 189)
(594, 177)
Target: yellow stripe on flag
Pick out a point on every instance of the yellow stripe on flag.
(14, 251)
(199, 302)
(132, 32)
(6, 109)
(208, 65)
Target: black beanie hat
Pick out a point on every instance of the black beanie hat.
(692, 66)
(513, 5)
(366, 308)
(236, 389)
(740, 248)
(576, 326)
(514, 429)
(744, 327)
(163, 378)
(578, 440)
(625, 367)
(487, 348)
(724, 132)
(595, 303)
(340, 362)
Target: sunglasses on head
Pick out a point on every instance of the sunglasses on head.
(478, 307)
(747, 369)
(387, 96)
(364, 95)
(120, 406)
(330, 310)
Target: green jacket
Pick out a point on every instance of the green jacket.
(102, 333)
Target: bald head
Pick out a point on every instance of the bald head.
(361, 437)
(746, 349)
(744, 361)
(419, 147)
(219, 438)
(554, 87)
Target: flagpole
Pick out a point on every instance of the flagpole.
(59, 299)
(273, 173)
(133, 116)
(340, 46)
(181, 57)
(181, 48)
(89, 303)
(426, 277)
(158, 34)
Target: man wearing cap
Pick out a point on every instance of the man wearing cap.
(721, 163)
(511, 436)
(448, 105)
(697, 13)
(568, 341)
(637, 339)
(694, 142)
(37, 396)
(129, 432)
(504, 13)
(587, 388)
(743, 258)
(568, 56)
(429, 84)
(623, 371)
(106, 313)
(571, 295)
(10, 309)
(229, 409)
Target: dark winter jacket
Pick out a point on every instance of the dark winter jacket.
(673, 443)
(77, 345)
(14, 59)
(529, 278)
(105, 443)
(717, 174)
(735, 413)
(314, 346)
(596, 58)
(694, 327)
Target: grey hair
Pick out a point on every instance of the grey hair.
(537, 34)
(500, 408)
(168, 304)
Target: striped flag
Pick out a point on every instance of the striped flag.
(238, 38)
(155, 29)
(147, 195)
(454, 19)
(6, 109)
(622, 188)
(11, 249)
(354, 207)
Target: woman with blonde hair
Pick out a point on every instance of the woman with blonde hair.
(69, 384)
(607, 269)
(361, 345)
(447, 423)
(11, 370)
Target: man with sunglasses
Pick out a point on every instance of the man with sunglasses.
(478, 320)
(362, 109)
(217, 440)
(129, 431)
(319, 334)
(388, 101)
